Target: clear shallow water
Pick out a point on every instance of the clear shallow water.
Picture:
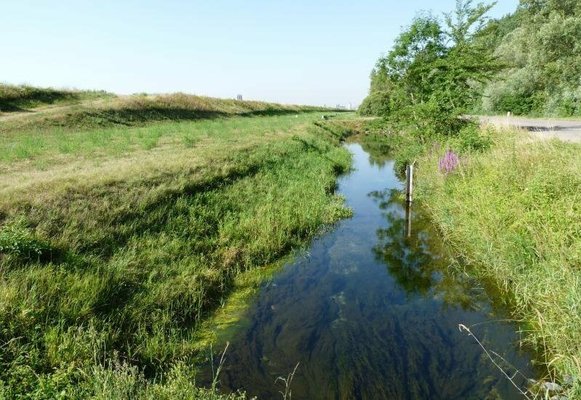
(370, 313)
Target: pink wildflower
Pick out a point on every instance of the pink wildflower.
(449, 162)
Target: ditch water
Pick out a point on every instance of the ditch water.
(368, 312)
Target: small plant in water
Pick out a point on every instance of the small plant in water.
(287, 394)
(496, 358)
(216, 374)
(449, 162)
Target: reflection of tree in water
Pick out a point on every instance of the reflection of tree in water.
(359, 332)
(415, 262)
(378, 150)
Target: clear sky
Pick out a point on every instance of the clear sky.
(293, 51)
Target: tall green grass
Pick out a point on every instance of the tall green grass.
(54, 143)
(109, 269)
(513, 212)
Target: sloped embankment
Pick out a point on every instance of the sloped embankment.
(111, 259)
(33, 109)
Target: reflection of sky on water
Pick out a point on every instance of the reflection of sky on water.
(369, 313)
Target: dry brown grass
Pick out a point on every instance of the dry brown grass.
(137, 110)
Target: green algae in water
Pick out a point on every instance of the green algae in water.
(371, 313)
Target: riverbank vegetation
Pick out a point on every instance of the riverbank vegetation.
(431, 76)
(509, 209)
(119, 239)
(536, 53)
(512, 213)
(508, 204)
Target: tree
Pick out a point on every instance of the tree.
(434, 70)
(391, 78)
(540, 44)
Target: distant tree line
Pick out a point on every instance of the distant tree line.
(528, 62)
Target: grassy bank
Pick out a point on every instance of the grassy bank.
(117, 243)
(510, 211)
(14, 98)
(35, 110)
(514, 213)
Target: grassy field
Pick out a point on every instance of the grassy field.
(118, 241)
(511, 211)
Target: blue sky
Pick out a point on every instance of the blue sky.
(300, 51)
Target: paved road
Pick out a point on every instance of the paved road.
(568, 130)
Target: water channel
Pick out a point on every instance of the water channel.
(372, 311)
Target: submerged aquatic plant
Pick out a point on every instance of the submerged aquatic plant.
(449, 162)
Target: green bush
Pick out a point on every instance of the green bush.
(472, 138)
(377, 103)
(17, 241)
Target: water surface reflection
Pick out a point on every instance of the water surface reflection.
(371, 313)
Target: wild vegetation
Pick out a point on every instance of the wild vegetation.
(508, 204)
(512, 212)
(428, 80)
(540, 47)
(528, 63)
(91, 110)
(19, 98)
(118, 241)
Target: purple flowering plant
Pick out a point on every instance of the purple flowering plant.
(449, 162)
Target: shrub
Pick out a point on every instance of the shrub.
(377, 103)
(472, 138)
(17, 241)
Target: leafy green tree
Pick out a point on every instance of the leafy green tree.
(396, 75)
(379, 100)
(541, 45)
(436, 69)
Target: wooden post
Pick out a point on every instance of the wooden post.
(409, 184)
